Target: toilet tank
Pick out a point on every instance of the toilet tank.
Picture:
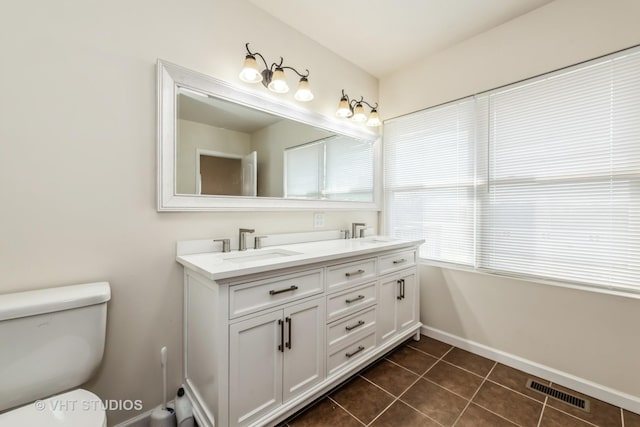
(51, 340)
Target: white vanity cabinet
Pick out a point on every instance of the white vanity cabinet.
(261, 341)
(273, 357)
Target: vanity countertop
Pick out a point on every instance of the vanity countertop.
(219, 265)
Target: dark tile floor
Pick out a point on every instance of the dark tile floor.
(430, 383)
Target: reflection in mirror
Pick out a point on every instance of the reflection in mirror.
(229, 149)
(223, 148)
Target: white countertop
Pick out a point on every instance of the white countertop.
(218, 265)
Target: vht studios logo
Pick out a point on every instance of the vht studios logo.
(71, 405)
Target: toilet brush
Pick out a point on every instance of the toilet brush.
(163, 416)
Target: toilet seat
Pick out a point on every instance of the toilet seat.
(75, 408)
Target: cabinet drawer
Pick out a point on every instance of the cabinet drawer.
(253, 296)
(340, 357)
(397, 261)
(341, 331)
(344, 303)
(343, 275)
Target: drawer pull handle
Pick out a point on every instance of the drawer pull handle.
(399, 261)
(357, 325)
(358, 298)
(360, 348)
(292, 288)
(353, 273)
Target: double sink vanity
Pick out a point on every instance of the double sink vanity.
(269, 330)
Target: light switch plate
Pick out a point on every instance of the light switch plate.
(318, 219)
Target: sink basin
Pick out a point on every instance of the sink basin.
(259, 255)
(377, 239)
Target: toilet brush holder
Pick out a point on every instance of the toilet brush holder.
(163, 417)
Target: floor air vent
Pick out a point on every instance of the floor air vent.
(567, 398)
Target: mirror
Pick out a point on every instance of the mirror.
(222, 148)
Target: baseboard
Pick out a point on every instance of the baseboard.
(606, 394)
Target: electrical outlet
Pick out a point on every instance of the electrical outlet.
(318, 219)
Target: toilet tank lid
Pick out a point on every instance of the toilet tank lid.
(31, 303)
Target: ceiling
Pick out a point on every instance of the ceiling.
(382, 36)
(216, 112)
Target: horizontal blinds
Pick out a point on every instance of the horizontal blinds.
(561, 181)
(303, 167)
(342, 154)
(429, 180)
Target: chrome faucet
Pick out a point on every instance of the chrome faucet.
(354, 229)
(242, 241)
(226, 244)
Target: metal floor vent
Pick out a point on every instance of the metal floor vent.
(569, 399)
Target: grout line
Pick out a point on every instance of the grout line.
(464, 369)
(474, 394)
(544, 405)
(345, 409)
(573, 416)
(517, 392)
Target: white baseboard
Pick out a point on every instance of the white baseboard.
(606, 394)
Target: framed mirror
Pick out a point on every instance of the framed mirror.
(223, 148)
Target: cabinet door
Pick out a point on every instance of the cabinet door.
(406, 306)
(255, 367)
(388, 292)
(304, 347)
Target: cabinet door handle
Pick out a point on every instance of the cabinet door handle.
(289, 322)
(354, 273)
(399, 282)
(402, 287)
(360, 348)
(399, 261)
(358, 298)
(289, 289)
(281, 346)
(357, 325)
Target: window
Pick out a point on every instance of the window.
(429, 180)
(316, 170)
(557, 176)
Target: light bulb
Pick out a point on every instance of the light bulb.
(250, 72)
(374, 119)
(303, 93)
(344, 110)
(278, 82)
(358, 113)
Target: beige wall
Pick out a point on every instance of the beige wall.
(78, 158)
(592, 336)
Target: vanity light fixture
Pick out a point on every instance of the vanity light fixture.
(273, 77)
(353, 108)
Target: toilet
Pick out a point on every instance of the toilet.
(52, 341)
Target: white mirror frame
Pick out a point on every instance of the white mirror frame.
(170, 76)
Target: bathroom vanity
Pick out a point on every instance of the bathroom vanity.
(267, 331)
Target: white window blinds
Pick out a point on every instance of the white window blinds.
(563, 168)
(429, 180)
(541, 178)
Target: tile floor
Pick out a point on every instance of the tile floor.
(430, 383)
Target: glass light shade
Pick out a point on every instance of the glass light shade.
(278, 82)
(250, 72)
(344, 109)
(303, 93)
(358, 113)
(374, 119)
